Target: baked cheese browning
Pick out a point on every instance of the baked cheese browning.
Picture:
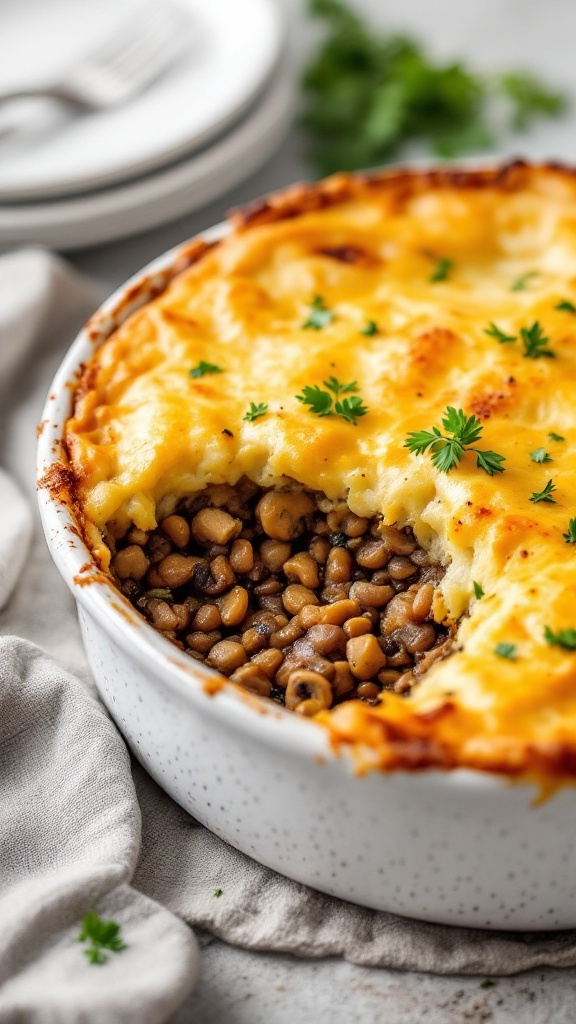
(146, 434)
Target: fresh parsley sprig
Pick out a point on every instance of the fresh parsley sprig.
(565, 638)
(534, 339)
(370, 328)
(102, 936)
(570, 536)
(443, 267)
(520, 283)
(500, 336)
(203, 368)
(536, 342)
(506, 650)
(255, 411)
(540, 455)
(544, 496)
(320, 315)
(329, 402)
(463, 432)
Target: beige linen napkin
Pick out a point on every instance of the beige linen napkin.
(69, 819)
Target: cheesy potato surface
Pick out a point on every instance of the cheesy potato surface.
(431, 261)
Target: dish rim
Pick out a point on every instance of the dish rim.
(188, 680)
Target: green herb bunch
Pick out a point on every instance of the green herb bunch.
(368, 92)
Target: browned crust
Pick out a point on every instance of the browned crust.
(404, 182)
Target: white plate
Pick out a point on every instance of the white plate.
(185, 186)
(234, 47)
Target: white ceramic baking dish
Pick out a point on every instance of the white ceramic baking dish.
(456, 847)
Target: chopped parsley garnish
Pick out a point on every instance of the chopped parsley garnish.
(520, 283)
(488, 983)
(101, 935)
(500, 336)
(540, 455)
(545, 495)
(204, 368)
(535, 342)
(446, 451)
(370, 92)
(218, 893)
(506, 650)
(566, 306)
(255, 411)
(320, 316)
(478, 592)
(443, 268)
(370, 328)
(565, 638)
(329, 402)
(556, 437)
(570, 536)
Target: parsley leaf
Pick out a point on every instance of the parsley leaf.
(255, 411)
(321, 402)
(535, 342)
(556, 437)
(368, 93)
(545, 495)
(520, 283)
(370, 328)
(540, 455)
(488, 983)
(478, 592)
(530, 98)
(500, 336)
(570, 536)
(350, 409)
(443, 268)
(566, 306)
(218, 893)
(506, 650)
(203, 368)
(448, 451)
(101, 935)
(565, 638)
(320, 316)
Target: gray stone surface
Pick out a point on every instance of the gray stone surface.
(238, 987)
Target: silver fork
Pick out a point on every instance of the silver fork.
(124, 65)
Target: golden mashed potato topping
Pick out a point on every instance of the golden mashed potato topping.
(426, 291)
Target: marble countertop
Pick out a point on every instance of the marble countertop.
(239, 987)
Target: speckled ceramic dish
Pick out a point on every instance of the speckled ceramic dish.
(455, 847)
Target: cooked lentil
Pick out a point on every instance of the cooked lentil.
(292, 596)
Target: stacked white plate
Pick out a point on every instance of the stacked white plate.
(70, 180)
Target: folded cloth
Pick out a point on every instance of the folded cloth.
(69, 842)
(69, 820)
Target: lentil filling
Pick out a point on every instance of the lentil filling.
(290, 595)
